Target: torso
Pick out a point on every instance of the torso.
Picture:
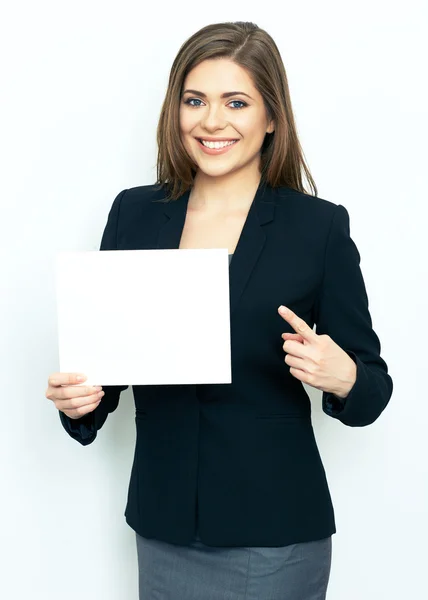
(202, 230)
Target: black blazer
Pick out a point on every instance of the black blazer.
(243, 455)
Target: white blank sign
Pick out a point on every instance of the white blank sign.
(144, 317)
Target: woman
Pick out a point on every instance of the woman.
(228, 496)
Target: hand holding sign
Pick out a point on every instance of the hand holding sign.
(316, 359)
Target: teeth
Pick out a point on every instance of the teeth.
(217, 144)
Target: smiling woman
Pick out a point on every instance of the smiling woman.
(228, 495)
(227, 82)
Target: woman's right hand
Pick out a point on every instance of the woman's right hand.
(73, 400)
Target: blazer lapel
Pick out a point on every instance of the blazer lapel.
(250, 243)
(172, 228)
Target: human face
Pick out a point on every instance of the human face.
(221, 104)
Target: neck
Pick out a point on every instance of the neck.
(235, 191)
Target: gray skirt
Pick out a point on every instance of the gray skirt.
(198, 572)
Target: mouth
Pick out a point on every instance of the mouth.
(216, 146)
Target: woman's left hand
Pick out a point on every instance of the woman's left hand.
(316, 359)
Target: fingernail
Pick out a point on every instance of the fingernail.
(80, 378)
(283, 309)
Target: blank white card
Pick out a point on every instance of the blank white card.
(144, 317)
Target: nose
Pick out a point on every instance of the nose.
(213, 119)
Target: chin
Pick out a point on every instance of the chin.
(216, 173)
(212, 170)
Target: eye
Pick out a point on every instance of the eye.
(190, 100)
(238, 102)
(196, 102)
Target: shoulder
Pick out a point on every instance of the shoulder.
(312, 209)
(134, 203)
(302, 201)
(142, 195)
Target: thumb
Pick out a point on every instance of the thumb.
(292, 336)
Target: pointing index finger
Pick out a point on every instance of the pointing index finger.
(298, 324)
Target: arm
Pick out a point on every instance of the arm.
(342, 312)
(84, 430)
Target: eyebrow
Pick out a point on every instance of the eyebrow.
(225, 95)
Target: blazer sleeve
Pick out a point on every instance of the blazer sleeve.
(342, 312)
(84, 430)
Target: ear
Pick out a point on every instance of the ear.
(270, 127)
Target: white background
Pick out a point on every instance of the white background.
(82, 85)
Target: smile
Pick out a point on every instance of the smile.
(216, 147)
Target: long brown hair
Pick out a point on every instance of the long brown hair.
(282, 157)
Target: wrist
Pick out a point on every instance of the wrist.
(349, 382)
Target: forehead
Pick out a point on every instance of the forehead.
(216, 76)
